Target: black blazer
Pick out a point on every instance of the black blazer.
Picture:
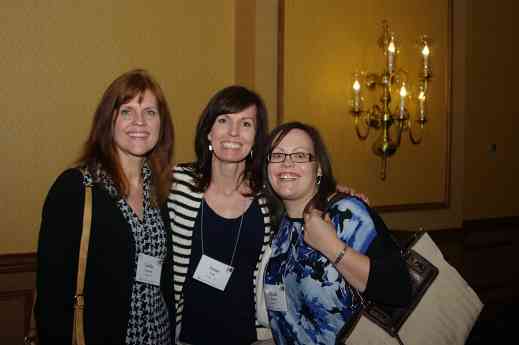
(110, 272)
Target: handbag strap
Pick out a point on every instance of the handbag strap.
(85, 240)
(78, 334)
(32, 335)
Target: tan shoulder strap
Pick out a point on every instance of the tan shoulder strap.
(78, 336)
(85, 240)
(31, 336)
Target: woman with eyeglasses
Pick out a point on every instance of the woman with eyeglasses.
(322, 249)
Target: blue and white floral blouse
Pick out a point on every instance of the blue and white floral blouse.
(318, 300)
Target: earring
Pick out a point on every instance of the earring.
(318, 179)
(251, 157)
(210, 147)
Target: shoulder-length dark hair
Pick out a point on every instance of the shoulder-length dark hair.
(328, 184)
(99, 148)
(230, 100)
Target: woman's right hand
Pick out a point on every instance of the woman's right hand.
(320, 233)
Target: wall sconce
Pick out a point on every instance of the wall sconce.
(392, 120)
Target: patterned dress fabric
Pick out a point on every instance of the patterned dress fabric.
(148, 321)
(317, 297)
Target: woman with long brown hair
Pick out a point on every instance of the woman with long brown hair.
(127, 161)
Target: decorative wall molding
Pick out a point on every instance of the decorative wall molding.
(484, 223)
(17, 263)
(26, 297)
(443, 201)
(17, 276)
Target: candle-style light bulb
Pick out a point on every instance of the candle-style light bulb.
(403, 95)
(425, 51)
(403, 91)
(425, 54)
(356, 94)
(421, 105)
(391, 49)
(356, 86)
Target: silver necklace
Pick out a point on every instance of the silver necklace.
(235, 242)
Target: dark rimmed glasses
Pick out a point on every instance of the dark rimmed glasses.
(296, 157)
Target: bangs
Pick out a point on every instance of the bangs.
(277, 137)
(135, 86)
(232, 108)
(235, 101)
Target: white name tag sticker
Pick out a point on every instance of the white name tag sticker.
(149, 269)
(213, 272)
(275, 297)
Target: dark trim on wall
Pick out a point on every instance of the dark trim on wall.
(14, 264)
(17, 263)
(484, 223)
(281, 63)
(449, 91)
(412, 207)
(28, 300)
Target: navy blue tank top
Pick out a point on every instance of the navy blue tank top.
(226, 317)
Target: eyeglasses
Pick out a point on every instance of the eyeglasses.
(296, 157)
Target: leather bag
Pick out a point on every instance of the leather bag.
(443, 310)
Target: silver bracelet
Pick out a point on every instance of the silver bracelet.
(340, 255)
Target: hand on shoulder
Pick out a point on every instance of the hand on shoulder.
(319, 232)
(350, 191)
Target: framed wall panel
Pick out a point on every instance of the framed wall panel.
(321, 45)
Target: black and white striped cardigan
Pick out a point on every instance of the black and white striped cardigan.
(183, 207)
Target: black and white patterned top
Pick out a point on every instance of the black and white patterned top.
(148, 321)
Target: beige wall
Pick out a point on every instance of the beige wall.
(256, 49)
(57, 59)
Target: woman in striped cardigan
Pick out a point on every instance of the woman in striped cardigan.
(220, 222)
